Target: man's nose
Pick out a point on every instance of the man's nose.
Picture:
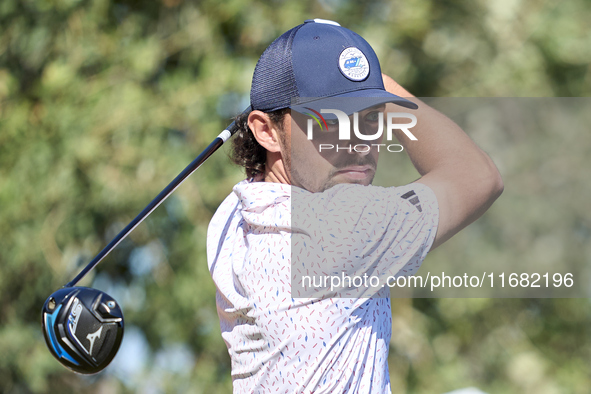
(361, 148)
(358, 146)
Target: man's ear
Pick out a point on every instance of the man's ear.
(264, 131)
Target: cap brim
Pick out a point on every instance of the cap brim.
(350, 102)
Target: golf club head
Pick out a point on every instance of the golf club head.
(83, 328)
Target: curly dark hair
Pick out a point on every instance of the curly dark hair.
(246, 151)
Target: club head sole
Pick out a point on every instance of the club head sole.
(83, 328)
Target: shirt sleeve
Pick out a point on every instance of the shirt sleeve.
(417, 219)
(363, 231)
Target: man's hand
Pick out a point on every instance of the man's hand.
(464, 179)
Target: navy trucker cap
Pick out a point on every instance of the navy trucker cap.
(317, 60)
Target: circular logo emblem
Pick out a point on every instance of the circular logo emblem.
(353, 64)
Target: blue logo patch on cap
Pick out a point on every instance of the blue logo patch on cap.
(353, 64)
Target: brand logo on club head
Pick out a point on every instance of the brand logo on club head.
(75, 315)
(92, 337)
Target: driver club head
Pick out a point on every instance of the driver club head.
(83, 328)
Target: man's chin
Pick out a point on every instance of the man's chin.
(340, 179)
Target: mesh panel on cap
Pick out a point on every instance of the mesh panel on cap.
(273, 81)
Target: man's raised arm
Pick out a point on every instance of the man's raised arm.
(464, 179)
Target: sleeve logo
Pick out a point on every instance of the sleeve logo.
(414, 200)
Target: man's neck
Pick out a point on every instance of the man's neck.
(275, 169)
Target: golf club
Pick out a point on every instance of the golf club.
(83, 327)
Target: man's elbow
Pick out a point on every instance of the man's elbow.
(499, 187)
(484, 185)
(494, 182)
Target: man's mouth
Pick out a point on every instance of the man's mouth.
(357, 172)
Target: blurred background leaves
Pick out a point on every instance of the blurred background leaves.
(103, 102)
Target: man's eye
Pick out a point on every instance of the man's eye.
(333, 124)
(373, 116)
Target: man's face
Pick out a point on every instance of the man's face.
(316, 169)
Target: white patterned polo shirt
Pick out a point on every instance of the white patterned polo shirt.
(279, 343)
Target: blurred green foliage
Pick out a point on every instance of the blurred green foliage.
(103, 102)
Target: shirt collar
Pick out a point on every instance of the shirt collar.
(256, 196)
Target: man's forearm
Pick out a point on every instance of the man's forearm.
(464, 178)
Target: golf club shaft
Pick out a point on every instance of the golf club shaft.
(168, 190)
